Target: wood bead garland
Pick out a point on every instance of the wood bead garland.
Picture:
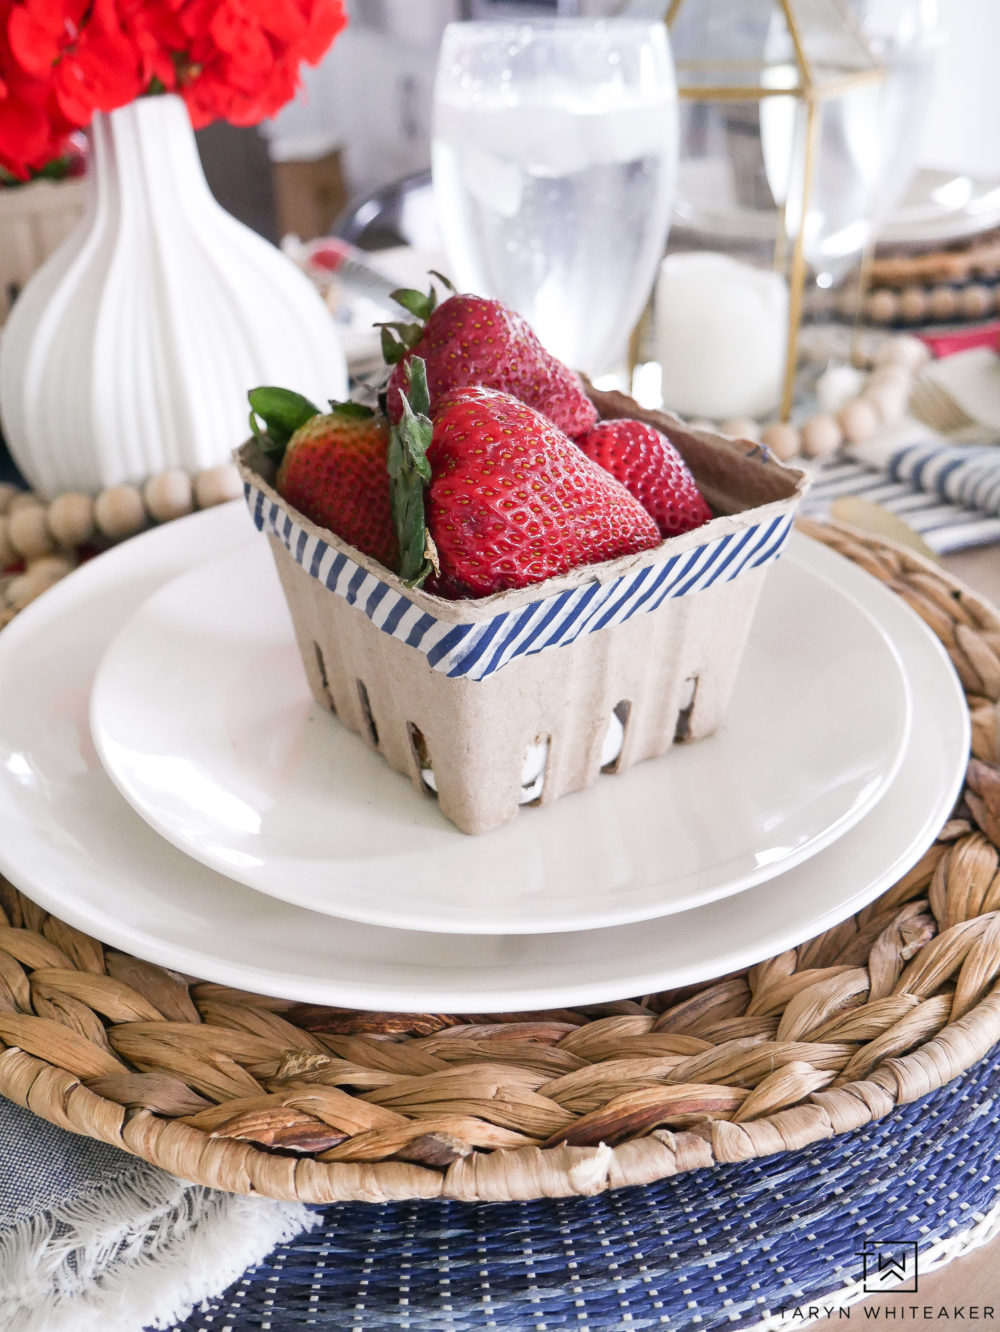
(46, 538)
(878, 401)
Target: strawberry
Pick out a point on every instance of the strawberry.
(469, 340)
(334, 472)
(650, 468)
(510, 499)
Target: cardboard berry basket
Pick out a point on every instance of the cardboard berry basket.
(465, 690)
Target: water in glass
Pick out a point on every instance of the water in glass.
(554, 157)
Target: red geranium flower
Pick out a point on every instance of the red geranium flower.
(62, 60)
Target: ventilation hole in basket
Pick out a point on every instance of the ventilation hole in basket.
(324, 679)
(682, 731)
(536, 760)
(614, 736)
(423, 759)
(366, 708)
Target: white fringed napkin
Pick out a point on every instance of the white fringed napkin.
(92, 1240)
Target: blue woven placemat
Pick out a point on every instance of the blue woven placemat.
(717, 1248)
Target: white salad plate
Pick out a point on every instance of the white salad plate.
(204, 721)
(71, 843)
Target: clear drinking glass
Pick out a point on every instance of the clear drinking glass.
(554, 159)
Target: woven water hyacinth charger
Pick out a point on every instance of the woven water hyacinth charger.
(862, 1064)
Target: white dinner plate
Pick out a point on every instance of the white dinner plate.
(939, 206)
(70, 842)
(204, 721)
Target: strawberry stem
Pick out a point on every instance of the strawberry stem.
(409, 473)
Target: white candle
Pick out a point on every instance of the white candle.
(721, 335)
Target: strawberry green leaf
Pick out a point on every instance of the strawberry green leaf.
(417, 303)
(408, 334)
(445, 281)
(409, 473)
(265, 443)
(351, 411)
(418, 401)
(393, 350)
(282, 412)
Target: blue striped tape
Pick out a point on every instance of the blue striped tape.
(476, 649)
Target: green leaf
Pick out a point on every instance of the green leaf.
(418, 400)
(409, 473)
(409, 334)
(445, 282)
(393, 350)
(351, 411)
(282, 412)
(417, 303)
(265, 443)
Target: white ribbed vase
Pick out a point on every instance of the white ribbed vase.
(132, 349)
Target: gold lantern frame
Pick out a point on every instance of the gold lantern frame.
(813, 88)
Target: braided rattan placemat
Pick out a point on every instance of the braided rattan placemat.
(252, 1094)
(735, 1247)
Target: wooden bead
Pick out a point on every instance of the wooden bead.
(20, 591)
(975, 301)
(888, 401)
(31, 584)
(847, 302)
(71, 519)
(837, 386)
(782, 439)
(882, 306)
(890, 376)
(942, 304)
(912, 305)
(7, 494)
(119, 512)
(21, 500)
(28, 531)
(217, 485)
(740, 427)
(906, 351)
(168, 495)
(858, 421)
(52, 567)
(821, 436)
(8, 555)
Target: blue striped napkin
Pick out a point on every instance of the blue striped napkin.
(948, 493)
